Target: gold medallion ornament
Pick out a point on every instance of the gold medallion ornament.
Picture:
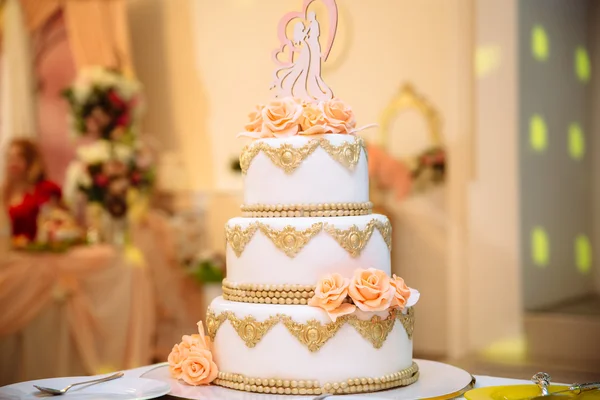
(346, 154)
(408, 321)
(376, 329)
(250, 330)
(238, 238)
(314, 387)
(354, 239)
(289, 158)
(214, 322)
(289, 240)
(313, 334)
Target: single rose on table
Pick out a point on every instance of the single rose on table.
(192, 361)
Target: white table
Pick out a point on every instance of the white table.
(481, 380)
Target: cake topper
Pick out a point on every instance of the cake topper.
(299, 58)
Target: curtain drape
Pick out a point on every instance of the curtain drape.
(97, 29)
(17, 89)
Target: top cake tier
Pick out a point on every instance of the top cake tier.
(306, 170)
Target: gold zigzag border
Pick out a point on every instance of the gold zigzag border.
(313, 334)
(291, 240)
(289, 158)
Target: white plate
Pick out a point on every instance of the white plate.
(436, 380)
(119, 389)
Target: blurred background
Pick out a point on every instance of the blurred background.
(120, 117)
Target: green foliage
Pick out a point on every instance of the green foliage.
(208, 272)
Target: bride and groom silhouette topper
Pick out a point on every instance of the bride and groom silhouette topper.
(299, 58)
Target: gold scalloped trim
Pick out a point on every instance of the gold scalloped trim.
(289, 158)
(313, 387)
(354, 240)
(238, 238)
(313, 334)
(291, 240)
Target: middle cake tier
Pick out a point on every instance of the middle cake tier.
(294, 253)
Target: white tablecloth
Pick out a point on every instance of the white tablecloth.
(481, 380)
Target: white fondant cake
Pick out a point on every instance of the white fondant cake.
(280, 355)
(261, 262)
(266, 336)
(318, 179)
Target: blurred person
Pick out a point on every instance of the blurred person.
(26, 188)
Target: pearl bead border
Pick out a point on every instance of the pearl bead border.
(267, 294)
(405, 377)
(306, 210)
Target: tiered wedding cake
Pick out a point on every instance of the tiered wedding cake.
(308, 304)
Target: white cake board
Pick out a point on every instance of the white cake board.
(436, 381)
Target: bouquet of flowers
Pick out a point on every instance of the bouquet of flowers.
(110, 174)
(104, 104)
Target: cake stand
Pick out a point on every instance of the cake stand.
(437, 381)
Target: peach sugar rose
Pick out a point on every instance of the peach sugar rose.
(338, 116)
(281, 117)
(401, 293)
(371, 290)
(199, 368)
(255, 117)
(191, 360)
(330, 293)
(313, 121)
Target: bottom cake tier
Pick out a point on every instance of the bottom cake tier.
(296, 349)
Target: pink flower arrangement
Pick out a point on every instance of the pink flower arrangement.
(369, 290)
(288, 116)
(192, 361)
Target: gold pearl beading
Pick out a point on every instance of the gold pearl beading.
(306, 210)
(314, 387)
(267, 294)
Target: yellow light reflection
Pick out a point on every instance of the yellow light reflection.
(538, 133)
(507, 351)
(540, 45)
(487, 60)
(540, 247)
(583, 67)
(576, 141)
(583, 254)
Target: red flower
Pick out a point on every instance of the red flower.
(123, 119)
(136, 177)
(114, 98)
(101, 180)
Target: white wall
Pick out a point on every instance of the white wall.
(494, 278)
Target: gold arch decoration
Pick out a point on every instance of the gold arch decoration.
(413, 174)
(409, 99)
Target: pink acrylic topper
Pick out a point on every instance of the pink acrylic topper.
(299, 58)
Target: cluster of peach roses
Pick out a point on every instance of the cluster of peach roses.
(368, 290)
(289, 116)
(192, 361)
